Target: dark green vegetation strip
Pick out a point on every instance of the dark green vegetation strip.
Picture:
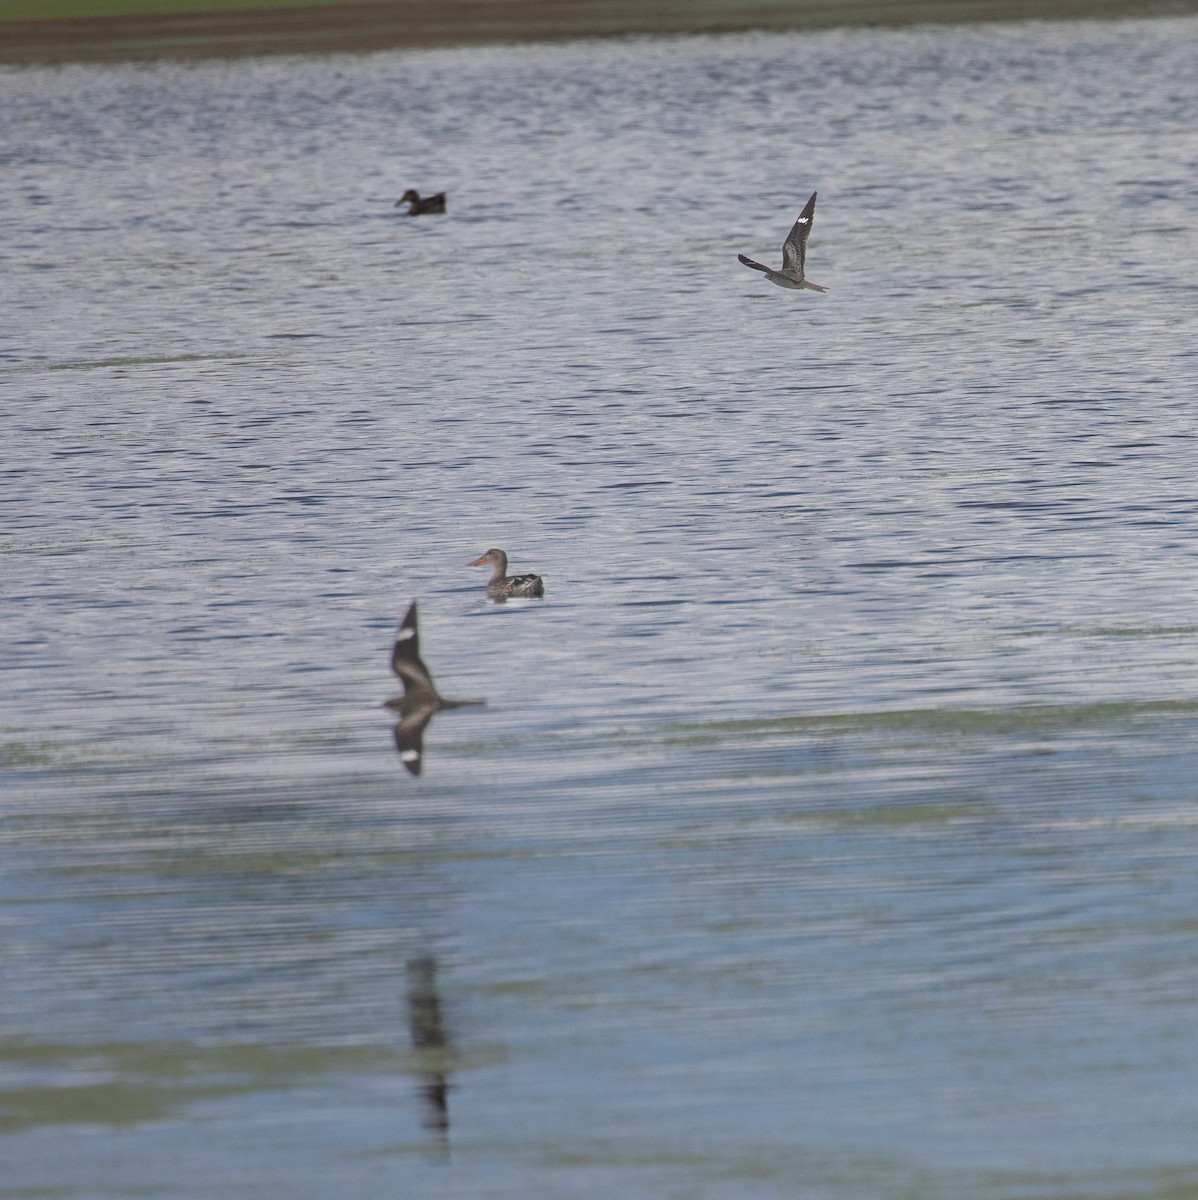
(33, 10)
(141, 29)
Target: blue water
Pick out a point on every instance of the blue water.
(831, 827)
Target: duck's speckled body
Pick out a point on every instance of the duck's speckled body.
(501, 585)
(417, 205)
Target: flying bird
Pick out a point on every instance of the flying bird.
(794, 254)
(420, 701)
(417, 205)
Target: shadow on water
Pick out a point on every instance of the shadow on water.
(431, 1045)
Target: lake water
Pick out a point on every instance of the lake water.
(831, 830)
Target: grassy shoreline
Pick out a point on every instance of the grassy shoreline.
(113, 30)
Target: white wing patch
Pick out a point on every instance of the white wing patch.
(405, 633)
(410, 755)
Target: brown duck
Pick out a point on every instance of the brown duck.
(418, 204)
(501, 585)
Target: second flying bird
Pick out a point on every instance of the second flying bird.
(794, 254)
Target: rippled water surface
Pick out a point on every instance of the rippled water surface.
(832, 826)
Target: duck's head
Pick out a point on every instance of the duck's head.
(492, 558)
(411, 195)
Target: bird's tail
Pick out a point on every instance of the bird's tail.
(815, 287)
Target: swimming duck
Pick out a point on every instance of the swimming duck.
(501, 585)
(420, 701)
(417, 205)
(794, 254)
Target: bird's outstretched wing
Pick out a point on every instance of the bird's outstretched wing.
(409, 737)
(406, 661)
(794, 249)
(755, 265)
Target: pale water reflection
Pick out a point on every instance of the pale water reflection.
(831, 827)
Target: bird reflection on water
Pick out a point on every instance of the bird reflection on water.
(420, 701)
(430, 1044)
